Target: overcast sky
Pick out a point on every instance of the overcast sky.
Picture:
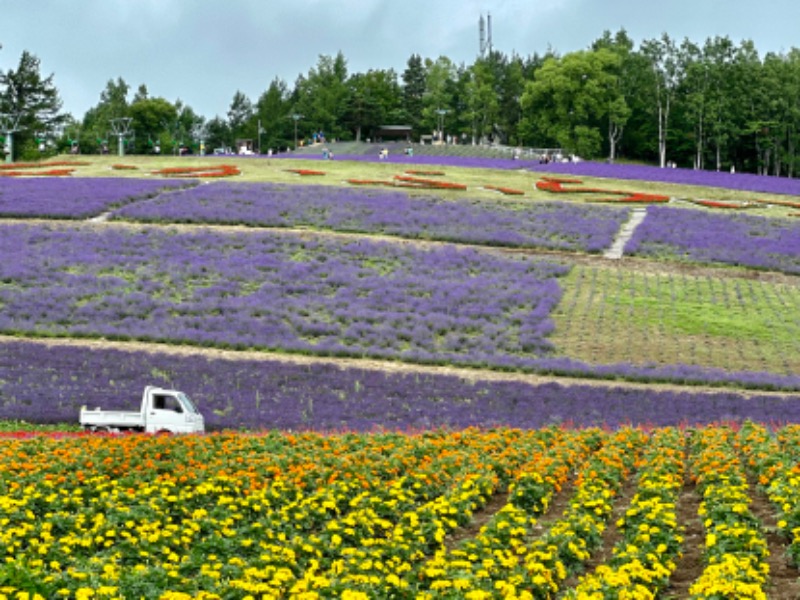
(203, 51)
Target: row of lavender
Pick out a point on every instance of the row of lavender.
(48, 383)
(277, 291)
(552, 225)
(734, 239)
(306, 294)
(79, 198)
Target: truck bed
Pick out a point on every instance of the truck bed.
(111, 418)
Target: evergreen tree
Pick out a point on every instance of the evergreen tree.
(25, 94)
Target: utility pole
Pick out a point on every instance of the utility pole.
(296, 117)
(121, 127)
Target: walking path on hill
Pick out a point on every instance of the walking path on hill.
(617, 249)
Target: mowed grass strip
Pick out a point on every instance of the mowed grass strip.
(615, 314)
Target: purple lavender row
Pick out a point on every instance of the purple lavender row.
(734, 239)
(284, 292)
(48, 384)
(77, 198)
(552, 225)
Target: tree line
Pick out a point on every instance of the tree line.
(716, 105)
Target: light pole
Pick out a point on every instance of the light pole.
(441, 112)
(296, 117)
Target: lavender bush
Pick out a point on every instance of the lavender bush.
(283, 292)
(734, 239)
(48, 384)
(552, 225)
(77, 198)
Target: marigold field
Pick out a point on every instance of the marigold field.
(505, 513)
(446, 389)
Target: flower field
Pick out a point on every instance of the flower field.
(74, 198)
(551, 225)
(262, 290)
(409, 394)
(235, 392)
(388, 515)
(732, 239)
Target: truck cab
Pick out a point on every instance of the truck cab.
(172, 411)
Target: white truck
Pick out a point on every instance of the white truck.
(162, 411)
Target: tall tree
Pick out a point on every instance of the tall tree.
(113, 104)
(570, 97)
(240, 115)
(413, 91)
(374, 100)
(662, 55)
(322, 96)
(272, 109)
(150, 117)
(440, 76)
(33, 99)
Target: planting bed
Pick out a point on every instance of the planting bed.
(368, 515)
(75, 198)
(551, 225)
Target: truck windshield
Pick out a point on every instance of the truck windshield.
(187, 403)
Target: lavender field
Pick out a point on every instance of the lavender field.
(551, 225)
(280, 292)
(178, 280)
(732, 239)
(236, 392)
(58, 197)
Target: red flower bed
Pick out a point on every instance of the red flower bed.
(124, 167)
(419, 182)
(505, 190)
(211, 171)
(47, 173)
(306, 172)
(634, 197)
(555, 185)
(561, 179)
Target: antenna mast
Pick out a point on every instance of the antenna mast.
(485, 34)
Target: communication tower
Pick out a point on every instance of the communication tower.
(485, 33)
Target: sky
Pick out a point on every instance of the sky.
(202, 51)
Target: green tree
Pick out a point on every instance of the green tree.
(414, 91)
(33, 100)
(666, 74)
(440, 77)
(240, 117)
(150, 115)
(272, 109)
(374, 100)
(322, 97)
(97, 120)
(570, 96)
